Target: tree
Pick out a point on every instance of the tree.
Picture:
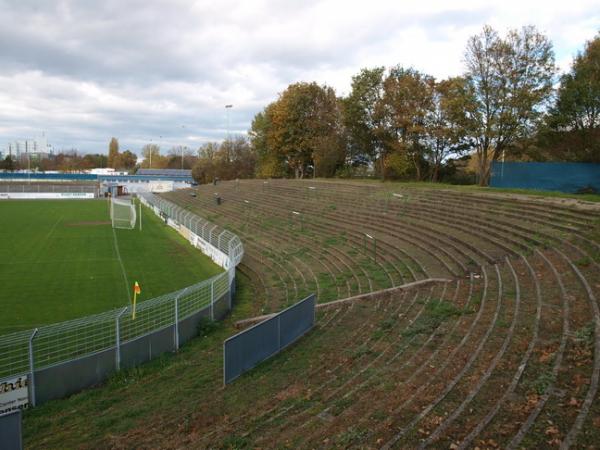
(302, 129)
(113, 153)
(229, 160)
(508, 82)
(152, 157)
(180, 157)
(270, 162)
(235, 159)
(402, 112)
(8, 164)
(359, 115)
(127, 160)
(442, 134)
(575, 118)
(204, 171)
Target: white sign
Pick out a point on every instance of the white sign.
(160, 186)
(45, 195)
(13, 394)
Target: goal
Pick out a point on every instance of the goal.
(122, 213)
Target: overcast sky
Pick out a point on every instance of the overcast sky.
(163, 71)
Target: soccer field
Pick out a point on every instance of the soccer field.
(60, 260)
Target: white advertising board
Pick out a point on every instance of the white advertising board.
(160, 186)
(44, 195)
(13, 394)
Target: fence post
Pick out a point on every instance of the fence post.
(212, 300)
(118, 339)
(278, 332)
(176, 330)
(219, 239)
(231, 281)
(31, 367)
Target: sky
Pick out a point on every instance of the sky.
(162, 71)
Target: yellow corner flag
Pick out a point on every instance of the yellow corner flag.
(136, 290)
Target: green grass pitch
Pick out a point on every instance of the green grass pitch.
(59, 261)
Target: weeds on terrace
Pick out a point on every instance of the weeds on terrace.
(334, 240)
(236, 442)
(434, 315)
(586, 334)
(350, 436)
(134, 374)
(206, 326)
(583, 262)
(543, 382)
(384, 326)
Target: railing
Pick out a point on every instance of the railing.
(25, 352)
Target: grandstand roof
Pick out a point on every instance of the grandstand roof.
(165, 172)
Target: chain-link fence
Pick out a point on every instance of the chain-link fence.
(45, 353)
(229, 246)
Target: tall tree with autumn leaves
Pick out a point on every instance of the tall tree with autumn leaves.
(300, 134)
(405, 124)
(113, 153)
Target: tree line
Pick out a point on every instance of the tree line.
(404, 124)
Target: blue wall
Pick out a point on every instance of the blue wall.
(550, 176)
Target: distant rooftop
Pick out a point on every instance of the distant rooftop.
(165, 172)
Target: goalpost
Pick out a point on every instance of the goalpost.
(122, 213)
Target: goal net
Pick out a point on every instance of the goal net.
(122, 213)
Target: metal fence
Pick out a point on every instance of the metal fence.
(245, 350)
(92, 347)
(548, 176)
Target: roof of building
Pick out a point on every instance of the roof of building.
(165, 172)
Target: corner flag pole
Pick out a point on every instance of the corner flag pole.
(134, 302)
(136, 291)
(140, 215)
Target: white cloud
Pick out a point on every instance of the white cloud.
(83, 71)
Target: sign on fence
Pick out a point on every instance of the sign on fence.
(245, 350)
(13, 394)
